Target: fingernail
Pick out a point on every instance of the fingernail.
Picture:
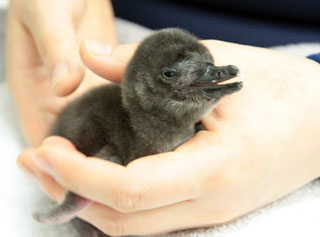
(43, 165)
(59, 72)
(97, 47)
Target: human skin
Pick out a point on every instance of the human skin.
(260, 144)
(42, 58)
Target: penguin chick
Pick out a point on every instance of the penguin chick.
(169, 85)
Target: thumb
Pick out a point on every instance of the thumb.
(57, 45)
(106, 61)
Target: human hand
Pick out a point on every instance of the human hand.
(261, 144)
(43, 60)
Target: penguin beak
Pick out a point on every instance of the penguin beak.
(209, 81)
(214, 75)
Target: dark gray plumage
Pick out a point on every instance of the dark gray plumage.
(170, 83)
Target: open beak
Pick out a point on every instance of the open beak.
(208, 83)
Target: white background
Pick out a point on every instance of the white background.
(3, 4)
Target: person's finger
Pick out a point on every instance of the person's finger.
(106, 61)
(57, 45)
(145, 183)
(47, 183)
(182, 215)
(59, 141)
(23, 161)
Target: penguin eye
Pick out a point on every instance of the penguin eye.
(220, 74)
(169, 74)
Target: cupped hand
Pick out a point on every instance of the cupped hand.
(261, 144)
(43, 59)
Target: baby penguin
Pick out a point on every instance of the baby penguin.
(169, 85)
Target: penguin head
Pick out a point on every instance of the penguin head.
(172, 64)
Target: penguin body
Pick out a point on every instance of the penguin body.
(169, 85)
